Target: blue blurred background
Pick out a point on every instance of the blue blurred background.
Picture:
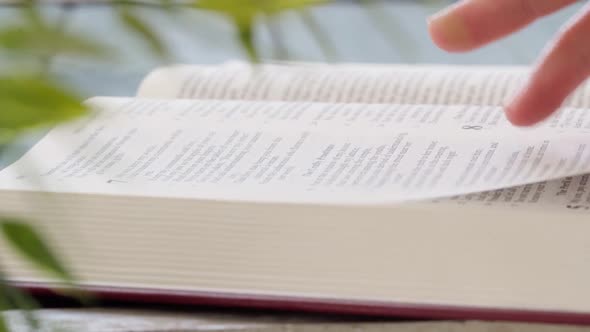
(342, 31)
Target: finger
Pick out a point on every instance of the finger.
(473, 23)
(565, 67)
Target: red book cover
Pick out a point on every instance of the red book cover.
(327, 306)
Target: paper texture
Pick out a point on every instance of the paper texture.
(116, 170)
(299, 152)
(354, 83)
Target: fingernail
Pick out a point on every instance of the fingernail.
(449, 31)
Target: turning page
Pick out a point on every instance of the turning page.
(298, 152)
(353, 83)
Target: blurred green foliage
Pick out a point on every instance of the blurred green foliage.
(28, 102)
(25, 240)
(31, 98)
(243, 14)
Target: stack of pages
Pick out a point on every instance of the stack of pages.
(366, 189)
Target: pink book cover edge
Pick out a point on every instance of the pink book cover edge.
(326, 306)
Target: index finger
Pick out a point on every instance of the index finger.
(473, 23)
(565, 67)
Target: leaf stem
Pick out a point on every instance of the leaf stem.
(318, 32)
(13, 298)
(391, 29)
(275, 32)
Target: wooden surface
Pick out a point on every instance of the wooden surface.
(199, 38)
(103, 320)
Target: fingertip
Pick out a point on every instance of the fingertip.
(449, 31)
(529, 108)
(516, 117)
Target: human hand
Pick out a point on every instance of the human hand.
(563, 66)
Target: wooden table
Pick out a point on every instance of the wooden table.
(202, 38)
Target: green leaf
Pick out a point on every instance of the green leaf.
(282, 5)
(25, 303)
(249, 8)
(12, 298)
(243, 14)
(3, 327)
(29, 243)
(32, 102)
(136, 25)
(390, 27)
(22, 300)
(4, 301)
(321, 36)
(42, 40)
(246, 39)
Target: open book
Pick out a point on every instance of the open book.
(379, 189)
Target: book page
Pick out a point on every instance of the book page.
(354, 83)
(294, 152)
(571, 193)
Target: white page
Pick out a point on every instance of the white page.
(357, 83)
(571, 193)
(282, 152)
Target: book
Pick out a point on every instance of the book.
(365, 189)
